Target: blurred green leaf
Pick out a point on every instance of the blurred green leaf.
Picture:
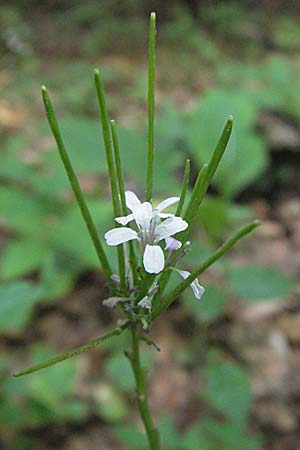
(228, 390)
(22, 257)
(246, 154)
(110, 403)
(16, 303)
(214, 216)
(21, 211)
(118, 369)
(55, 279)
(227, 436)
(70, 235)
(133, 438)
(211, 306)
(254, 283)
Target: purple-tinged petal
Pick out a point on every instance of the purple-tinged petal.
(169, 227)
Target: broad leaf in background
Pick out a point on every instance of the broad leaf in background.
(227, 436)
(16, 303)
(211, 308)
(21, 211)
(22, 257)
(110, 403)
(254, 283)
(43, 397)
(70, 237)
(228, 391)
(246, 155)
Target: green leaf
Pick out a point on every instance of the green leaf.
(82, 137)
(70, 235)
(51, 386)
(16, 303)
(214, 215)
(132, 437)
(118, 369)
(227, 436)
(211, 307)
(246, 155)
(22, 257)
(56, 281)
(168, 433)
(110, 403)
(22, 212)
(254, 283)
(228, 390)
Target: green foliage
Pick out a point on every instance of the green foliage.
(228, 391)
(254, 283)
(47, 396)
(21, 257)
(110, 403)
(211, 308)
(246, 156)
(16, 303)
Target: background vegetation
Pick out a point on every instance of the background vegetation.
(221, 376)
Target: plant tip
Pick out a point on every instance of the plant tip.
(153, 15)
(43, 88)
(96, 72)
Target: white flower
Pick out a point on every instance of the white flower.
(195, 285)
(113, 301)
(152, 226)
(145, 302)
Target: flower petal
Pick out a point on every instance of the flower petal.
(145, 302)
(113, 301)
(142, 215)
(118, 236)
(132, 200)
(165, 215)
(169, 227)
(197, 289)
(153, 259)
(195, 285)
(124, 220)
(165, 203)
(172, 244)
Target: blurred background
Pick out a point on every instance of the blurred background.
(227, 375)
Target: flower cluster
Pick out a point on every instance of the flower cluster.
(152, 226)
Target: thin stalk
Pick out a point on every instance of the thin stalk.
(185, 182)
(141, 390)
(191, 211)
(197, 196)
(213, 258)
(204, 179)
(74, 183)
(132, 257)
(72, 353)
(202, 183)
(151, 101)
(111, 168)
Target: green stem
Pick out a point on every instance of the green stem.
(184, 187)
(141, 390)
(151, 100)
(72, 353)
(132, 257)
(213, 258)
(74, 182)
(111, 168)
